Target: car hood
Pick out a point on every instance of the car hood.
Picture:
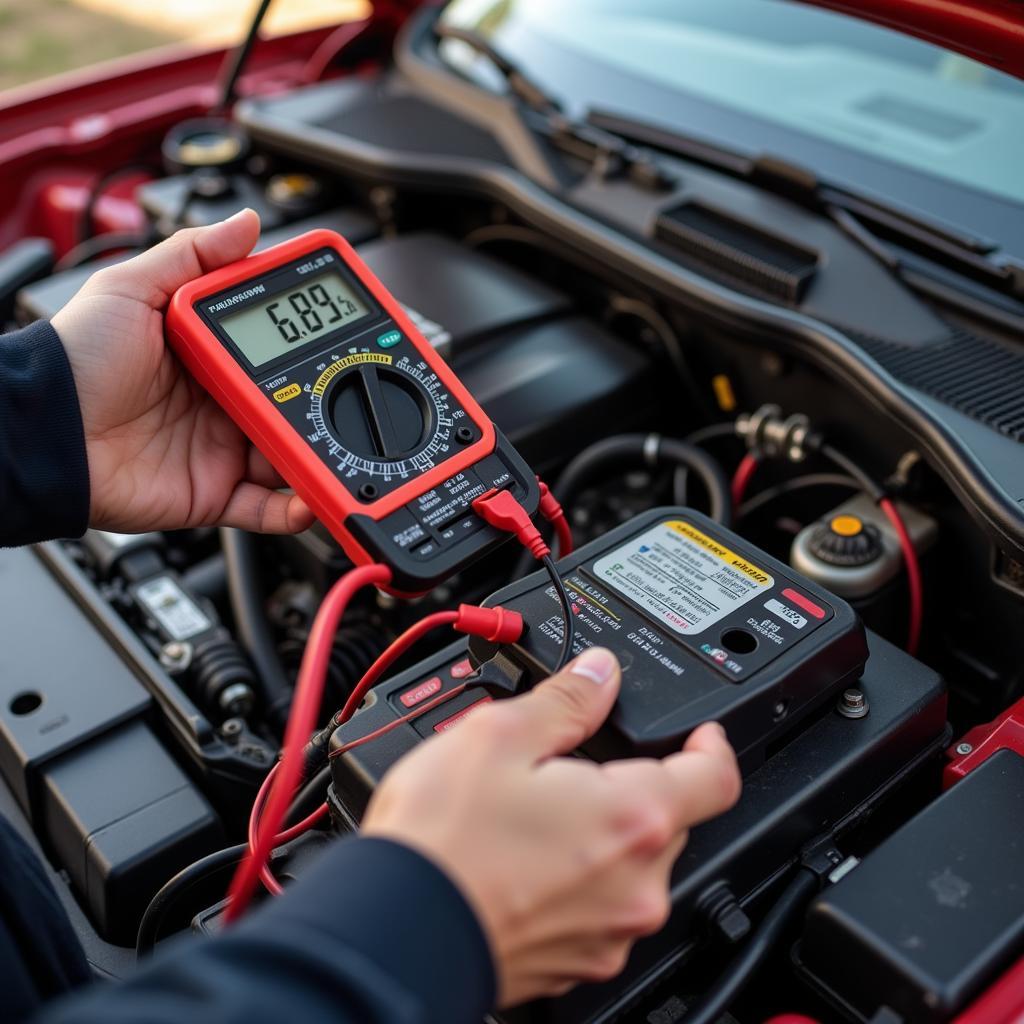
(989, 31)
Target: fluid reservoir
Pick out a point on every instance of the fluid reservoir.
(853, 551)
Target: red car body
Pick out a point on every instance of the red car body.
(58, 135)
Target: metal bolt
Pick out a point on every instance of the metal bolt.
(852, 704)
(236, 700)
(176, 655)
(232, 727)
(964, 748)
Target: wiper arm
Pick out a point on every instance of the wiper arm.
(957, 250)
(604, 152)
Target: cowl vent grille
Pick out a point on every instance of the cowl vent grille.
(975, 376)
(744, 252)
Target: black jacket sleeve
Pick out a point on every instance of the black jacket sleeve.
(373, 934)
(44, 476)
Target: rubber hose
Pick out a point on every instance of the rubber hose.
(604, 457)
(251, 625)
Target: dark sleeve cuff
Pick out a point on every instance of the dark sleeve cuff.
(44, 475)
(401, 912)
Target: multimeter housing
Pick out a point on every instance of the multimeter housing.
(321, 368)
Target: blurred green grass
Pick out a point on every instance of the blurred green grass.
(39, 38)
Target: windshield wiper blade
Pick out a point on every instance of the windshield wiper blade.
(947, 245)
(605, 153)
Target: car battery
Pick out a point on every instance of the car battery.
(821, 778)
(704, 625)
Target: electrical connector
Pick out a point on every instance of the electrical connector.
(497, 624)
(501, 510)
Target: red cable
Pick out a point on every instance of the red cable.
(301, 723)
(563, 532)
(913, 573)
(551, 509)
(396, 648)
(385, 729)
(741, 478)
(790, 1018)
(372, 674)
(300, 827)
(494, 623)
(270, 883)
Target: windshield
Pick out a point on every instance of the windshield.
(771, 76)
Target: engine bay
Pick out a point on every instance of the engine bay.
(856, 495)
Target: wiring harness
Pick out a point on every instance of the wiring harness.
(305, 749)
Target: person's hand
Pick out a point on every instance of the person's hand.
(162, 454)
(565, 862)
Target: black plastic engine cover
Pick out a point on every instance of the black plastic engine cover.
(104, 797)
(933, 914)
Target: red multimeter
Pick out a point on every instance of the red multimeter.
(320, 367)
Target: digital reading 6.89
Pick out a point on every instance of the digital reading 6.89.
(270, 329)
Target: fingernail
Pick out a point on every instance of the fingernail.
(241, 213)
(718, 726)
(596, 664)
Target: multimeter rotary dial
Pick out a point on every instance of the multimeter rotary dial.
(376, 415)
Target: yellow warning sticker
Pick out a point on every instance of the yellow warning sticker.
(681, 576)
(759, 575)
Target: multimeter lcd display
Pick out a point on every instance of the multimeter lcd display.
(314, 307)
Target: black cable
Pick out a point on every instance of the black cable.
(712, 432)
(175, 888)
(101, 245)
(848, 466)
(797, 483)
(569, 629)
(234, 63)
(626, 450)
(100, 184)
(623, 451)
(309, 798)
(623, 305)
(251, 625)
(764, 939)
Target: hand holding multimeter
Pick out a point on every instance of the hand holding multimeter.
(162, 455)
(322, 370)
(308, 353)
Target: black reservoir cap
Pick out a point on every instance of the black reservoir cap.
(931, 916)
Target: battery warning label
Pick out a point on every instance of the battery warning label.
(681, 576)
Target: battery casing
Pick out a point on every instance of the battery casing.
(705, 626)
